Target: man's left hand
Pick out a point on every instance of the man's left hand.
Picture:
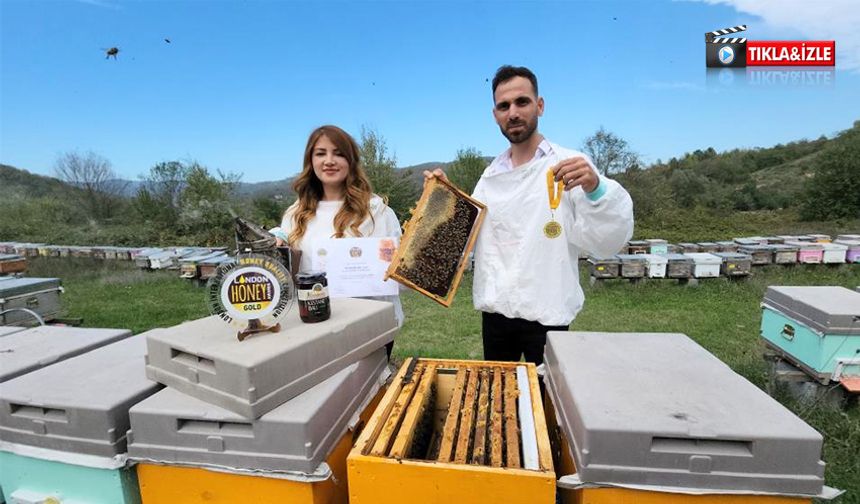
(576, 172)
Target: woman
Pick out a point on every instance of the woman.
(335, 200)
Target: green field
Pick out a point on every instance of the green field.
(722, 316)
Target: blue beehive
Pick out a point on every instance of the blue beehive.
(816, 328)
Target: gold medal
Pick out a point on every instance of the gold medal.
(552, 229)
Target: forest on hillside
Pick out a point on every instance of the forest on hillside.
(701, 195)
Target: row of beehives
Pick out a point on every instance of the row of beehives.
(193, 262)
(729, 259)
(278, 418)
(811, 242)
(85, 415)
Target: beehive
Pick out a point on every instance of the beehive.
(820, 238)
(784, 254)
(600, 267)
(761, 254)
(437, 241)
(656, 266)
(834, 253)
(708, 247)
(852, 255)
(39, 295)
(705, 265)
(632, 265)
(727, 246)
(676, 426)
(734, 264)
(809, 252)
(455, 431)
(658, 246)
(689, 247)
(679, 266)
(638, 247)
(12, 263)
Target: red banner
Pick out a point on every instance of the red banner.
(791, 53)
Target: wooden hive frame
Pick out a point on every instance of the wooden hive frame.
(475, 448)
(419, 224)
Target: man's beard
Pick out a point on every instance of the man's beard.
(522, 135)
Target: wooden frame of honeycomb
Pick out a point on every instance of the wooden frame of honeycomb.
(437, 241)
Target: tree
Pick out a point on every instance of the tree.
(102, 190)
(393, 185)
(834, 190)
(158, 198)
(466, 169)
(609, 152)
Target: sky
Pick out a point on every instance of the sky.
(241, 84)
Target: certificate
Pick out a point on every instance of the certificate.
(355, 267)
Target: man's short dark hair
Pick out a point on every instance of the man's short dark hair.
(508, 72)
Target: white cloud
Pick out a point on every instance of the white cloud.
(817, 20)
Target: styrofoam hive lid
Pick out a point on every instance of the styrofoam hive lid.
(632, 257)
(849, 243)
(610, 260)
(782, 247)
(804, 245)
(678, 258)
(6, 331)
(656, 258)
(826, 309)
(173, 428)
(79, 405)
(756, 248)
(657, 409)
(24, 351)
(735, 256)
(704, 257)
(15, 286)
(834, 246)
(204, 359)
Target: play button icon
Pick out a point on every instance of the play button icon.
(726, 55)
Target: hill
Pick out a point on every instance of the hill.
(15, 182)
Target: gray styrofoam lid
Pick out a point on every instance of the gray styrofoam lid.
(826, 309)
(25, 351)
(79, 405)
(732, 255)
(658, 409)
(704, 257)
(17, 286)
(632, 257)
(203, 358)
(6, 331)
(678, 258)
(173, 428)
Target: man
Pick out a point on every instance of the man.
(545, 203)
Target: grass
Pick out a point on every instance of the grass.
(720, 315)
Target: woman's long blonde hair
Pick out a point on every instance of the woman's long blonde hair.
(309, 188)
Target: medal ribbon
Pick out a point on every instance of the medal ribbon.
(553, 191)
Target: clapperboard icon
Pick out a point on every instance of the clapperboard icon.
(723, 52)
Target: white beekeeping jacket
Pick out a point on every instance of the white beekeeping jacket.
(519, 272)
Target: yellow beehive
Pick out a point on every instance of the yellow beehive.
(455, 432)
(160, 484)
(565, 464)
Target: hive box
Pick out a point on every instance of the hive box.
(24, 351)
(63, 427)
(709, 247)
(843, 237)
(656, 266)
(676, 419)
(679, 266)
(820, 238)
(784, 254)
(727, 246)
(705, 265)
(689, 247)
(204, 359)
(808, 252)
(604, 267)
(12, 263)
(638, 247)
(40, 295)
(815, 328)
(761, 254)
(852, 255)
(834, 253)
(632, 265)
(657, 246)
(464, 432)
(276, 458)
(734, 264)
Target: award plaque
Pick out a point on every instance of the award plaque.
(253, 293)
(437, 240)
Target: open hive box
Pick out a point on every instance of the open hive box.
(437, 241)
(455, 431)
